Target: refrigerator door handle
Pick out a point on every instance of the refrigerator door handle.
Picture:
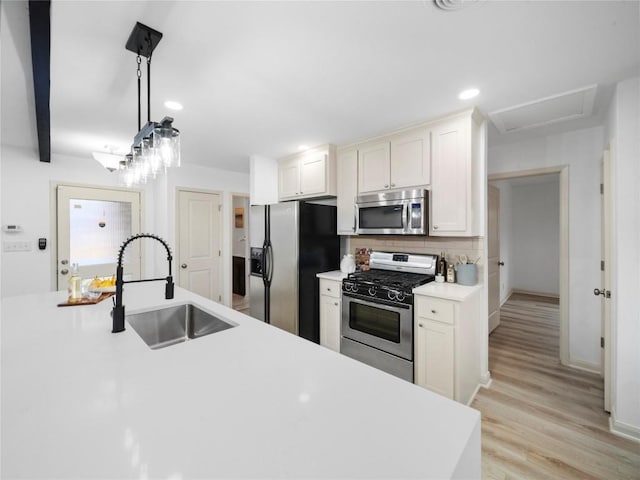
(264, 263)
(269, 271)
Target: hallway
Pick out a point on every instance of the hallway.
(539, 418)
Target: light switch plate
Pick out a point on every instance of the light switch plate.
(15, 246)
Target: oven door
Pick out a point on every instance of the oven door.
(386, 327)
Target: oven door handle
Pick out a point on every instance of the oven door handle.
(377, 303)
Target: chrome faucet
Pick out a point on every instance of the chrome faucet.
(118, 308)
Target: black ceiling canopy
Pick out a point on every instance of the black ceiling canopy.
(40, 29)
(143, 40)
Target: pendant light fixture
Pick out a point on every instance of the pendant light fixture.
(156, 146)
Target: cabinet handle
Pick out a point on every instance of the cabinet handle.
(328, 289)
(393, 184)
(420, 325)
(434, 312)
(386, 185)
(336, 304)
(435, 227)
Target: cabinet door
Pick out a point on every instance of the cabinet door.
(330, 309)
(450, 178)
(288, 179)
(347, 191)
(313, 174)
(411, 159)
(434, 356)
(373, 167)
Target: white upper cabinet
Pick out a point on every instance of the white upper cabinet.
(373, 167)
(347, 190)
(310, 174)
(399, 161)
(457, 151)
(410, 159)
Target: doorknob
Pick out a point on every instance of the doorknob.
(184, 265)
(501, 264)
(603, 292)
(64, 271)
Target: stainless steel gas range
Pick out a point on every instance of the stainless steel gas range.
(377, 310)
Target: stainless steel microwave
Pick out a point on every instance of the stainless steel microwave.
(393, 213)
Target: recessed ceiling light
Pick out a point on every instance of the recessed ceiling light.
(172, 105)
(303, 147)
(467, 94)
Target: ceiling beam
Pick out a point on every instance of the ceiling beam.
(40, 27)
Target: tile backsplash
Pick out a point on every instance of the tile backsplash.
(452, 246)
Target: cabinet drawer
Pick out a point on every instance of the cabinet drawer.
(435, 309)
(330, 287)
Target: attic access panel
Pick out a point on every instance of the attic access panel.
(143, 40)
(557, 108)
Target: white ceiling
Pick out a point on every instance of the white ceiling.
(263, 77)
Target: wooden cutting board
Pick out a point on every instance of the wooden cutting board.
(86, 301)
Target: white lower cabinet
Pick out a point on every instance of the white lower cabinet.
(447, 346)
(330, 312)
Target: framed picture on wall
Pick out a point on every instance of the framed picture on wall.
(239, 215)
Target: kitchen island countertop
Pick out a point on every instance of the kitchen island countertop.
(251, 402)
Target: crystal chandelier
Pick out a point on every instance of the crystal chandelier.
(156, 146)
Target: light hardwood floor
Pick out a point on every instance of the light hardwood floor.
(541, 420)
(240, 303)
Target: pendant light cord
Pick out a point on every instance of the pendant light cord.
(149, 81)
(139, 74)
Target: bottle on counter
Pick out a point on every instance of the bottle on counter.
(75, 284)
(442, 265)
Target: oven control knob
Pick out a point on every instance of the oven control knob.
(392, 295)
(372, 291)
(400, 296)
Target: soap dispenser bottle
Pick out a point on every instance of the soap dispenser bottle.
(75, 284)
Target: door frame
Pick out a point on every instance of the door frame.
(607, 216)
(223, 246)
(563, 170)
(53, 222)
(247, 266)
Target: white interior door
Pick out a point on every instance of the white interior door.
(493, 260)
(606, 274)
(92, 223)
(199, 243)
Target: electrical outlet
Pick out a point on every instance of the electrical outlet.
(13, 246)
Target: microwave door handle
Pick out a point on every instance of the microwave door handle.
(407, 218)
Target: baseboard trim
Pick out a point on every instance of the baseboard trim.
(585, 366)
(502, 302)
(622, 429)
(485, 379)
(537, 294)
(473, 395)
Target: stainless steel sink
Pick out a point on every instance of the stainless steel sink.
(171, 325)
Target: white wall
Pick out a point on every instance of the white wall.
(623, 129)
(536, 237)
(200, 178)
(26, 200)
(582, 151)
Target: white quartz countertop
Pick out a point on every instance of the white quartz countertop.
(335, 275)
(449, 291)
(248, 402)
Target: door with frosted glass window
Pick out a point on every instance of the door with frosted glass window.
(92, 224)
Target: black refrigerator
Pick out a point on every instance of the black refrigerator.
(290, 243)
